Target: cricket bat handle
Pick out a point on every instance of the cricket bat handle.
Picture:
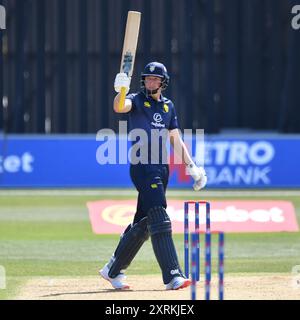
(122, 98)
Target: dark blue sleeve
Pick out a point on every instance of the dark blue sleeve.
(131, 97)
(174, 121)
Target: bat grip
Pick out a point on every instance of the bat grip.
(122, 98)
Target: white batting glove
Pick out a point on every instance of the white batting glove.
(122, 80)
(199, 176)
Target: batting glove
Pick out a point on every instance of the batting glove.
(122, 80)
(199, 176)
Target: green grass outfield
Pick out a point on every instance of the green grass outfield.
(48, 233)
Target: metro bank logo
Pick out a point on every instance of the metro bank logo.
(239, 162)
(234, 163)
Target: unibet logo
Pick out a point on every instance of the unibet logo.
(119, 214)
(14, 163)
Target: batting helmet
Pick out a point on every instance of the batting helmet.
(155, 69)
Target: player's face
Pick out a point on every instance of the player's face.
(152, 82)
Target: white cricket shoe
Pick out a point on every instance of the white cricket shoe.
(178, 283)
(117, 282)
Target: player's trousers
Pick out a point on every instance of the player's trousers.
(151, 181)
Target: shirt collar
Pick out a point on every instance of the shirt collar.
(161, 98)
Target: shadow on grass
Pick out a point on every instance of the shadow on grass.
(99, 291)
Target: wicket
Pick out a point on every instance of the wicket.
(195, 256)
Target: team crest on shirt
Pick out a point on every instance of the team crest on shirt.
(147, 104)
(166, 108)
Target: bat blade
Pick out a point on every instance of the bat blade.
(129, 49)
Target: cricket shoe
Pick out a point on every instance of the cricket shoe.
(117, 282)
(178, 283)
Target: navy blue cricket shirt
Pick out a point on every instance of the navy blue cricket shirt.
(149, 114)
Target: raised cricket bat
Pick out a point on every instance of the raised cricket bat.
(129, 49)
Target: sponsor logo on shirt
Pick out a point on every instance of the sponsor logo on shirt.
(158, 119)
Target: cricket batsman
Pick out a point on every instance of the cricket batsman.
(149, 110)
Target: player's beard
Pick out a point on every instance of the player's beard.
(149, 92)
